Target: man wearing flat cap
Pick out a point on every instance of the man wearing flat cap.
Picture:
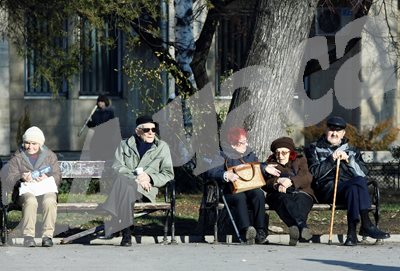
(352, 190)
(143, 164)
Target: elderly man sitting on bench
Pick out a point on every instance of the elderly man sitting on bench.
(352, 189)
(143, 164)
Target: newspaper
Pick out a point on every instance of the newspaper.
(47, 185)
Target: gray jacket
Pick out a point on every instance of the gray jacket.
(156, 162)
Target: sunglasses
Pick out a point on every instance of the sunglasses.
(146, 130)
(284, 153)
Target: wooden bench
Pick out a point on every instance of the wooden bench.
(211, 201)
(84, 170)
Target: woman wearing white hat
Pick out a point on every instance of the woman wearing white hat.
(34, 155)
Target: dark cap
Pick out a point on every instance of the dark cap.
(336, 123)
(144, 119)
(282, 142)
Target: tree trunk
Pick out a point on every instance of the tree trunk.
(184, 39)
(281, 26)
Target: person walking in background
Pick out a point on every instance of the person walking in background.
(104, 134)
(35, 163)
(103, 113)
(352, 189)
(290, 194)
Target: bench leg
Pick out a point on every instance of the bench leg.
(216, 225)
(166, 222)
(3, 224)
(173, 239)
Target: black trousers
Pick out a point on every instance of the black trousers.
(353, 194)
(241, 203)
(292, 208)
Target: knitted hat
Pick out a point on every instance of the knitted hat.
(282, 142)
(34, 134)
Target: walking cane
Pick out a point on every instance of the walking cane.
(334, 200)
(87, 120)
(231, 217)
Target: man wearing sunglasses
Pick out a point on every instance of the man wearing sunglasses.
(352, 189)
(143, 164)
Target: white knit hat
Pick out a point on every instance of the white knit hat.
(34, 134)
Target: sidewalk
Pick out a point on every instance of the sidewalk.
(198, 256)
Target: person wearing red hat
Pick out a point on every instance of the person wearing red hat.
(290, 194)
(237, 152)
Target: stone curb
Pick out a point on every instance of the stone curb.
(281, 239)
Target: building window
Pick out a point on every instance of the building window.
(102, 72)
(36, 85)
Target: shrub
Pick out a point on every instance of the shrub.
(380, 137)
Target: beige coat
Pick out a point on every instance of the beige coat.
(20, 163)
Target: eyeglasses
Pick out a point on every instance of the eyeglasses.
(146, 130)
(284, 153)
(242, 143)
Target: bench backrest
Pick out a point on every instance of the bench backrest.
(81, 169)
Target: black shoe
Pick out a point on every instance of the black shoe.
(351, 240)
(250, 235)
(373, 232)
(261, 237)
(126, 238)
(47, 242)
(126, 242)
(294, 235)
(29, 241)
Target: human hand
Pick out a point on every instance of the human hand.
(285, 182)
(271, 169)
(144, 180)
(341, 155)
(231, 177)
(27, 177)
(41, 177)
(282, 189)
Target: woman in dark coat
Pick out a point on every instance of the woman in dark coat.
(290, 194)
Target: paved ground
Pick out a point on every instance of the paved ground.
(107, 255)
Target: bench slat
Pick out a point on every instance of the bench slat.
(89, 206)
(316, 207)
(81, 169)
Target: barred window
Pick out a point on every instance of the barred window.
(35, 82)
(102, 72)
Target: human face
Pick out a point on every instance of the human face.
(31, 147)
(335, 137)
(241, 146)
(282, 155)
(101, 104)
(148, 136)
